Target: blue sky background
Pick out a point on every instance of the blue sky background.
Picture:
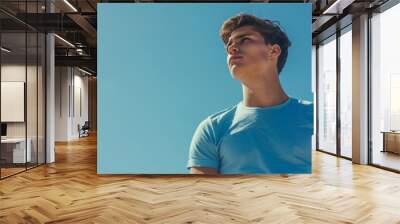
(162, 70)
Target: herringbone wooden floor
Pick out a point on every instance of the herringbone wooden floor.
(70, 191)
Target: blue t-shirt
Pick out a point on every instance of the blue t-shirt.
(243, 139)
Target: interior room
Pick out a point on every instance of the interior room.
(50, 125)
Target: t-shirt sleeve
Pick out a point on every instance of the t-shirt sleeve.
(203, 149)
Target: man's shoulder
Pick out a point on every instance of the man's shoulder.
(305, 110)
(220, 115)
(303, 106)
(219, 118)
(302, 102)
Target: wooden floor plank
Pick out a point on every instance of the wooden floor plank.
(70, 191)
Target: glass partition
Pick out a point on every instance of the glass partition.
(32, 94)
(327, 95)
(41, 91)
(14, 153)
(22, 78)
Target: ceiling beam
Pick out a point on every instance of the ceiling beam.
(84, 61)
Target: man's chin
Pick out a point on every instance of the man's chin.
(237, 76)
(236, 72)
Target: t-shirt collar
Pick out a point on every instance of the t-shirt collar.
(242, 106)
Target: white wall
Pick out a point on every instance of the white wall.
(70, 84)
(62, 81)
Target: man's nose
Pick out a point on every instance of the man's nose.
(233, 49)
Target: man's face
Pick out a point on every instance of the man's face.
(248, 55)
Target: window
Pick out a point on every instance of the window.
(346, 92)
(327, 95)
(385, 89)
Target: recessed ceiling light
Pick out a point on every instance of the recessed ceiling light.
(84, 71)
(5, 50)
(337, 7)
(70, 5)
(64, 40)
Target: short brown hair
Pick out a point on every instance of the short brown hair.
(270, 30)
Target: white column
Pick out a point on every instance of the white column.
(360, 90)
(50, 92)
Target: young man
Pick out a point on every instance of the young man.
(268, 131)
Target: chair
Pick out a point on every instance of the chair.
(84, 130)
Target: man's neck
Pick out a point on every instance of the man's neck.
(264, 93)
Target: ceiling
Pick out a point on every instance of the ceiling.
(75, 21)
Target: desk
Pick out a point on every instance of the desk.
(17, 151)
(391, 141)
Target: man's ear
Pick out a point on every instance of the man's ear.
(275, 51)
